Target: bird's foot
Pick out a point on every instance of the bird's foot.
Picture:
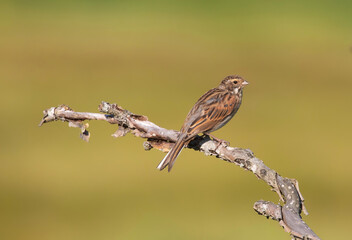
(220, 141)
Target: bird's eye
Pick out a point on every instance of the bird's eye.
(235, 82)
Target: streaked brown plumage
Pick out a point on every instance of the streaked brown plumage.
(212, 111)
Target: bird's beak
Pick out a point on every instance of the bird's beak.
(245, 83)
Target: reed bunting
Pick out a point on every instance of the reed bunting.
(212, 111)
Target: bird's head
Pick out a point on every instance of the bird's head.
(234, 82)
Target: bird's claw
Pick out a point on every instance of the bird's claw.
(220, 141)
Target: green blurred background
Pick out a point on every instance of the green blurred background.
(156, 58)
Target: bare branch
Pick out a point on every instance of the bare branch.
(288, 215)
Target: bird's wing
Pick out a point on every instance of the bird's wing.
(210, 111)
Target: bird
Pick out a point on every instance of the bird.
(212, 111)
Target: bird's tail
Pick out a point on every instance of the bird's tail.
(171, 156)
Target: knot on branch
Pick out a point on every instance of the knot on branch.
(268, 209)
(121, 115)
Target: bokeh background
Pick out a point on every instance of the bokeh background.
(156, 58)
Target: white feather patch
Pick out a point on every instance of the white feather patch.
(162, 162)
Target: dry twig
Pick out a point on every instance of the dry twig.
(288, 215)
